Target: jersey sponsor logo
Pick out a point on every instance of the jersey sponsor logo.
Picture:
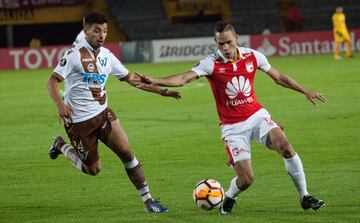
(103, 61)
(93, 78)
(238, 85)
(63, 62)
(237, 102)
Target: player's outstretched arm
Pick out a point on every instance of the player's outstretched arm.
(135, 80)
(177, 80)
(287, 82)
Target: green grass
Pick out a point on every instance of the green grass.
(178, 143)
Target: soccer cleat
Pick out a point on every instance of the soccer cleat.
(337, 57)
(226, 206)
(155, 207)
(54, 150)
(308, 202)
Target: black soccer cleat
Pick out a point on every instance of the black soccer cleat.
(54, 150)
(226, 206)
(308, 202)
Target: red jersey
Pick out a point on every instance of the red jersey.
(232, 83)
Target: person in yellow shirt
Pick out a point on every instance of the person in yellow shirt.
(341, 34)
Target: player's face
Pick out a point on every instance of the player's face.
(226, 42)
(96, 34)
(339, 10)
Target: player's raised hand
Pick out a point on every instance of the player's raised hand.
(173, 94)
(313, 96)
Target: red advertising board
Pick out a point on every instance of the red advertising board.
(42, 57)
(16, 4)
(286, 44)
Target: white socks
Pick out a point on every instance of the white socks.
(70, 153)
(131, 164)
(144, 193)
(233, 191)
(295, 169)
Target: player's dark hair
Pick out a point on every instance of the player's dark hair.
(222, 26)
(94, 17)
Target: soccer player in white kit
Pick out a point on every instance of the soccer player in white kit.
(87, 118)
(230, 72)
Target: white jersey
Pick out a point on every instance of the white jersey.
(85, 78)
(79, 38)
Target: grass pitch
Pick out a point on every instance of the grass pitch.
(178, 143)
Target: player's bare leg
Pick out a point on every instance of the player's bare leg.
(93, 169)
(278, 142)
(244, 179)
(118, 143)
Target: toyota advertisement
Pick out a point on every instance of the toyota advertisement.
(41, 57)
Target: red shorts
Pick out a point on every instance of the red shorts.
(84, 135)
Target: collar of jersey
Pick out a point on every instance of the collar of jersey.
(88, 47)
(240, 57)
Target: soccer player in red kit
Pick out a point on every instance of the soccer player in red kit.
(230, 72)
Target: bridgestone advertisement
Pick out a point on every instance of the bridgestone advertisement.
(186, 49)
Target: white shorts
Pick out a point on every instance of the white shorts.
(237, 136)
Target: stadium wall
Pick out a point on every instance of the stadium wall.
(166, 50)
(42, 57)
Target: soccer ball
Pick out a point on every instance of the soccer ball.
(208, 194)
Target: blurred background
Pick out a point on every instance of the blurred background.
(169, 30)
(59, 21)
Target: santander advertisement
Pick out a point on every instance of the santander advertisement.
(287, 44)
(42, 57)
